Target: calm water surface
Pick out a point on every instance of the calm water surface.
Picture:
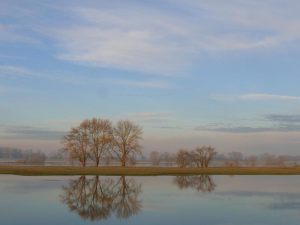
(222, 200)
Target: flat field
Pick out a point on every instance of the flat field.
(145, 171)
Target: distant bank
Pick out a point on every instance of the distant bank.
(144, 171)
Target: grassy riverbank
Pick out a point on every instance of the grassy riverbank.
(144, 171)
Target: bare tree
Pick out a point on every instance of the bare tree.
(76, 143)
(273, 160)
(126, 140)
(154, 158)
(210, 153)
(198, 157)
(202, 156)
(183, 158)
(100, 138)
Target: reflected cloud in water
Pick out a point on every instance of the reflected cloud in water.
(98, 198)
(280, 200)
(285, 206)
(164, 200)
(103, 198)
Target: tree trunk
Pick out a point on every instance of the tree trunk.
(123, 159)
(97, 161)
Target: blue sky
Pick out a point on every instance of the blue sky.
(189, 72)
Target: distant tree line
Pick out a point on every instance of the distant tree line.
(233, 159)
(203, 156)
(11, 153)
(24, 156)
(198, 157)
(99, 140)
(166, 158)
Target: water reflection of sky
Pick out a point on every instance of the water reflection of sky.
(218, 200)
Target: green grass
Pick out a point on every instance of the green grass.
(144, 171)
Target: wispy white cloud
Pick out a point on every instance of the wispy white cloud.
(164, 41)
(243, 129)
(270, 123)
(21, 72)
(133, 47)
(284, 118)
(258, 23)
(170, 127)
(30, 132)
(9, 70)
(12, 71)
(151, 38)
(268, 97)
(255, 97)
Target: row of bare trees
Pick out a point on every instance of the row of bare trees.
(199, 157)
(97, 139)
(234, 159)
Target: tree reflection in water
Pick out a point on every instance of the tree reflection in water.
(98, 198)
(203, 183)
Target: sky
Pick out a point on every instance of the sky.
(190, 72)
